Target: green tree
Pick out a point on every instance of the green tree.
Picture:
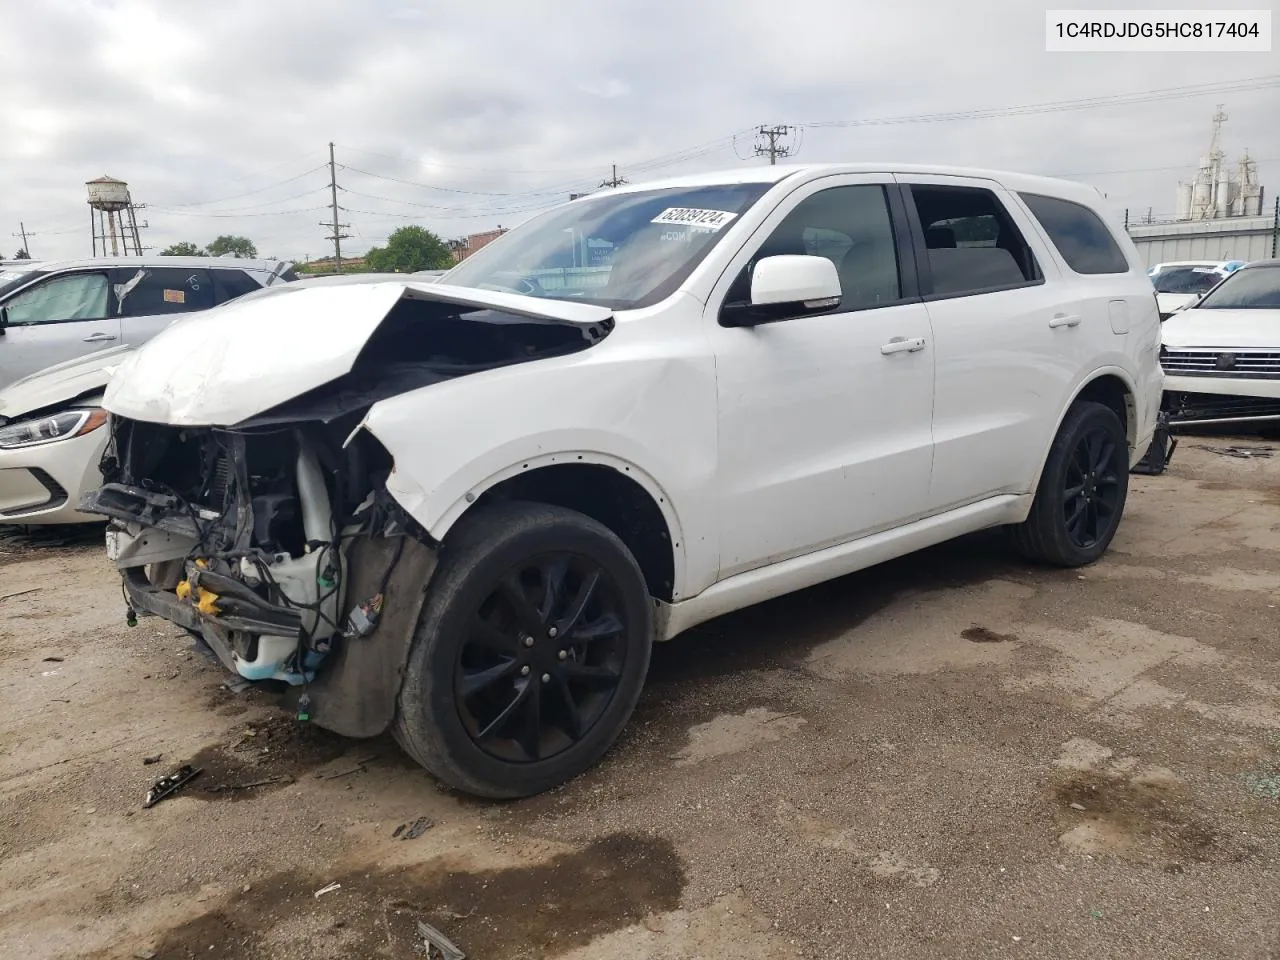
(22, 255)
(236, 246)
(183, 248)
(408, 250)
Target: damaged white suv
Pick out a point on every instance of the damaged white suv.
(465, 510)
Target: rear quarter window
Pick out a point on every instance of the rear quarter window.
(1079, 234)
(229, 284)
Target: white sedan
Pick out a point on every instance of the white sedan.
(1221, 357)
(52, 438)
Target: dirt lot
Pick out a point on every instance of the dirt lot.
(953, 754)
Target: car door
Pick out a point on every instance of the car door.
(1010, 339)
(59, 317)
(824, 420)
(152, 297)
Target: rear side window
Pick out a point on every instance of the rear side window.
(165, 290)
(1079, 234)
(229, 284)
(971, 243)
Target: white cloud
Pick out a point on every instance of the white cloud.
(503, 106)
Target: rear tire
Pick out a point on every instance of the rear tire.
(1082, 492)
(530, 652)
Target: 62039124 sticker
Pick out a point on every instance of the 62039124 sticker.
(693, 217)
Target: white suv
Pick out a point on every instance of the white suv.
(464, 510)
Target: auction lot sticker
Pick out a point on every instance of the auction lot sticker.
(692, 217)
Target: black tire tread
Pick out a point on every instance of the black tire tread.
(466, 547)
(1039, 537)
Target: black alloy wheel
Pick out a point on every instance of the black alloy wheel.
(530, 651)
(543, 658)
(1083, 487)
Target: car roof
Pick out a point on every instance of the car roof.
(1260, 263)
(1194, 263)
(236, 263)
(777, 173)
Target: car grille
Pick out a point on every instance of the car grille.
(1210, 406)
(1221, 363)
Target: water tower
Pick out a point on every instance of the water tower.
(113, 218)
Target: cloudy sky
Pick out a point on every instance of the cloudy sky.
(462, 116)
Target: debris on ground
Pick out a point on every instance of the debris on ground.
(167, 786)
(412, 831)
(52, 660)
(19, 593)
(154, 758)
(358, 768)
(1240, 453)
(437, 940)
(329, 889)
(231, 787)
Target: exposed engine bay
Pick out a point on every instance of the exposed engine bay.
(275, 541)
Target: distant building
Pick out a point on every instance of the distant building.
(468, 245)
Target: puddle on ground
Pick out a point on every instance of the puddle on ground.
(976, 634)
(274, 747)
(1144, 816)
(537, 911)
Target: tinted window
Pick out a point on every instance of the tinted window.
(1185, 279)
(229, 284)
(165, 290)
(971, 243)
(1253, 288)
(81, 296)
(1079, 234)
(850, 226)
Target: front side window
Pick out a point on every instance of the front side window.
(851, 227)
(164, 290)
(81, 296)
(1079, 234)
(622, 250)
(1252, 288)
(971, 243)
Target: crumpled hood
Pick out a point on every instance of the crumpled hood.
(61, 383)
(1222, 329)
(221, 366)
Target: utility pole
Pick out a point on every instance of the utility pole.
(615, 180)
(22, 227)
(337, 236)
(771, 146)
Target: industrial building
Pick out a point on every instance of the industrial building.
(1222, 213)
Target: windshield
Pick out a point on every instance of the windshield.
(1186, 279)
(1252, 288)
(622, 250)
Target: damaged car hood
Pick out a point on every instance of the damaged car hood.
(221, 366)
(61, 383)
(1245, 329)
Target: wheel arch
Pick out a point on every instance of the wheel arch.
(1114, 388)
(610, 490)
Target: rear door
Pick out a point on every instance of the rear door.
(60, 317)
(151, 298)
(1011, 336)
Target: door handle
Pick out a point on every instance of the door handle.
(1062, 320)
(100, 338)
(902, 345)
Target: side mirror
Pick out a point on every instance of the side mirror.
(786, 286)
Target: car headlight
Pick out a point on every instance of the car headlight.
(56, 426)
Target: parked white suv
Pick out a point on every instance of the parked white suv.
(465, 513)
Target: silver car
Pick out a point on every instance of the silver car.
(54, 311)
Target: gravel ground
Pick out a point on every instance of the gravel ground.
(952, 754)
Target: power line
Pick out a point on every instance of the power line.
(249, 193)
(22, 232)
(1057, 106)
(614, 180)
(770, 143)
(337, 236)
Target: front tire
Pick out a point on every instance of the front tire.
(530, 652)
(1082, 491)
